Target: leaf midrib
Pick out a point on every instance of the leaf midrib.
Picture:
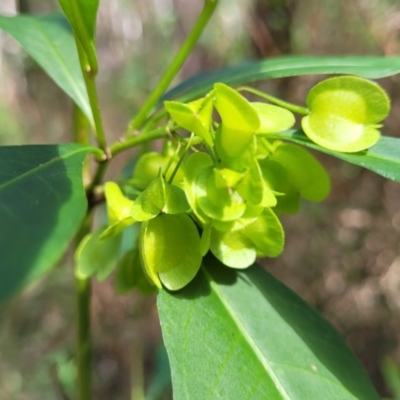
(313, 146)
(42, 166)
(247, 337)
(264, 361)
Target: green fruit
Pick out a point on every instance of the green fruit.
(303, 171)
(273, 119)
(148, 168)
(345, 112)
(224, 204)
(233, 248)
(240, 120)
(170, 246)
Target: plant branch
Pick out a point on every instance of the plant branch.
(175, 66)
(84, 38)
(90, 84)
(289, 106)
(83, 288)
(158, 133)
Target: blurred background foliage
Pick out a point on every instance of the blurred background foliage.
(342, 256)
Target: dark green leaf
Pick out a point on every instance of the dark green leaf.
(42, 203)
(50, 42)
(383, 158)
(367, 67)
(244, 335)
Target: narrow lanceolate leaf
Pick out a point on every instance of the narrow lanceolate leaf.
(383, 158)
(50, 42)
(42, 204)
(366, 67)
(244, 335)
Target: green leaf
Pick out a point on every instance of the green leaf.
(50, 42)
(367, 67)
(97, 256)
(171, 250)
(244, 335)
(383, 158)
(344, 112)
(42, 204)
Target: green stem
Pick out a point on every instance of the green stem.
(289, 106)
(83, 288)
(84, 38)
(137, 373)
(81, 135)
(170, 161)
(158, 133)
(93, 98)
(83, 362)
(98, 176)
(175, 66)
(181, 158)
(83, 340)
(212, 154)
(153, 120)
